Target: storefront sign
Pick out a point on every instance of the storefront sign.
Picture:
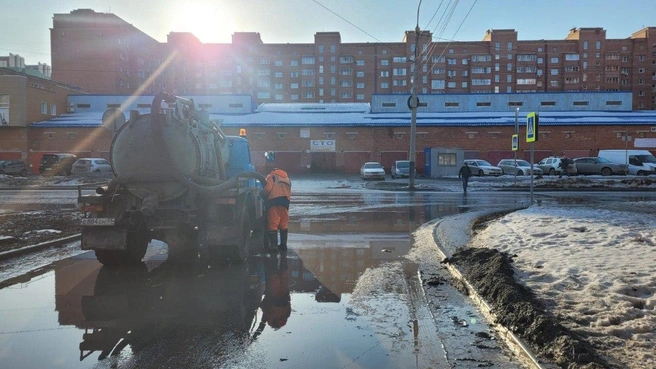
(322, 145)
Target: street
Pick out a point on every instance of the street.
(343, 296)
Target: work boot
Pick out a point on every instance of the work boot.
(283, 240)
(273, 240)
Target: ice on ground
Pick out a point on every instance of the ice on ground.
(592, 267)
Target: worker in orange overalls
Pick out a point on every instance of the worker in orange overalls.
(277, 193)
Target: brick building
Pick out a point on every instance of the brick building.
(339, 137)
(106, 55)
(26, 99)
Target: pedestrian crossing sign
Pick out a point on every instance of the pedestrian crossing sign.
(532, 127)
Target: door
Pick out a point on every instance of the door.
(354, 160)
(323, 162)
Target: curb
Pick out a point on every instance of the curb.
(515, 343)
(39, 246)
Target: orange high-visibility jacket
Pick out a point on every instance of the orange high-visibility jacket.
(278, 188)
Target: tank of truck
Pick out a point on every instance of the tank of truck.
(149, 149)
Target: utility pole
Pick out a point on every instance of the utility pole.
(414, 105)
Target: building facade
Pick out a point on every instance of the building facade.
(103, 54)
(26, 99)
(339, 137)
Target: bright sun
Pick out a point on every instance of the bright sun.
(207, 20)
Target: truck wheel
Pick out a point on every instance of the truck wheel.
(240, 251)
(137, 245)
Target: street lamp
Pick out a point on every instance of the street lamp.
(414, 104)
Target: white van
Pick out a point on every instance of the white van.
(640, 162)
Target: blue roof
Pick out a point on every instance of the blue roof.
(357, 115)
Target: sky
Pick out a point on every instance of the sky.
(593, 267)
(26, 23)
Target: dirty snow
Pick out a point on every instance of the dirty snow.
(592, 267)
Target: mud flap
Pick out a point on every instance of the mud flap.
(104, 238)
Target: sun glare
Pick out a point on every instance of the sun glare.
(206, 20)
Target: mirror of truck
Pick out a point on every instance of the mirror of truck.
(270, 156)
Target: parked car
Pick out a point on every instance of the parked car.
(551, 165)
(401, 168)
(91, 165)
(372, 170)
(518, 167)
(13, 167)
(56, 164)
(481, 168)
(597, 165)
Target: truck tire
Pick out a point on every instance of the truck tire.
(240, 251)
(137, 245)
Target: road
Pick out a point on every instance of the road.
(354, 300)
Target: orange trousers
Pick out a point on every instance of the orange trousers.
(277, 218)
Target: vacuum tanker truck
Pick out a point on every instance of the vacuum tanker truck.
(177, 178)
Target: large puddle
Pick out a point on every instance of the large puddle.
(341, 297)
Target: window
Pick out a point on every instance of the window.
(437, 84)
(446, 159)
(464, 61)
(359, 97)
(278, 75)
(510, 46)
(585, 45)
(277, 86)
(53, 109)
(571, 80)
(263, 95)
(483, 103)
(399, 71)
(548, 103)
(614, 102)
(359, 85)
(307, 72)
(359, 63)
(481, 70)
(451, 85)
(481, 82)
(598, 45)
(399, 82)
(572, 57)
(384, 62)
(481, 58)
(346, 60)
(526, 81)
(293, 63)
(571, 68)
(346, 83)
(308, 83)
(515, 103)
(526, 57)
(332, 49)
(308, 95)
(399, 59)
(293, 74)
(384, 73)
(44, 108)
(465, 73)
(451, 104)
(612, 56)
(452, 73)
(451, 61)
(553, 60)
(509, 78)
(389, 105)
(438, 59)
(293, 86)
(463, 85)
(580, 103)
(345, 95)
(320, 49)
(439, 70)
(359, 73)
(346, 72)
(554, 72)
(385, 85)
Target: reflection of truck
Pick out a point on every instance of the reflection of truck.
(640, 162)
(178, 178)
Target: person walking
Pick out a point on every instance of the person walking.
(277, 195)
(465, 173)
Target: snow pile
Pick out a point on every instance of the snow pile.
(592, 267)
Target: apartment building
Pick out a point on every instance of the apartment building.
(102, 53)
